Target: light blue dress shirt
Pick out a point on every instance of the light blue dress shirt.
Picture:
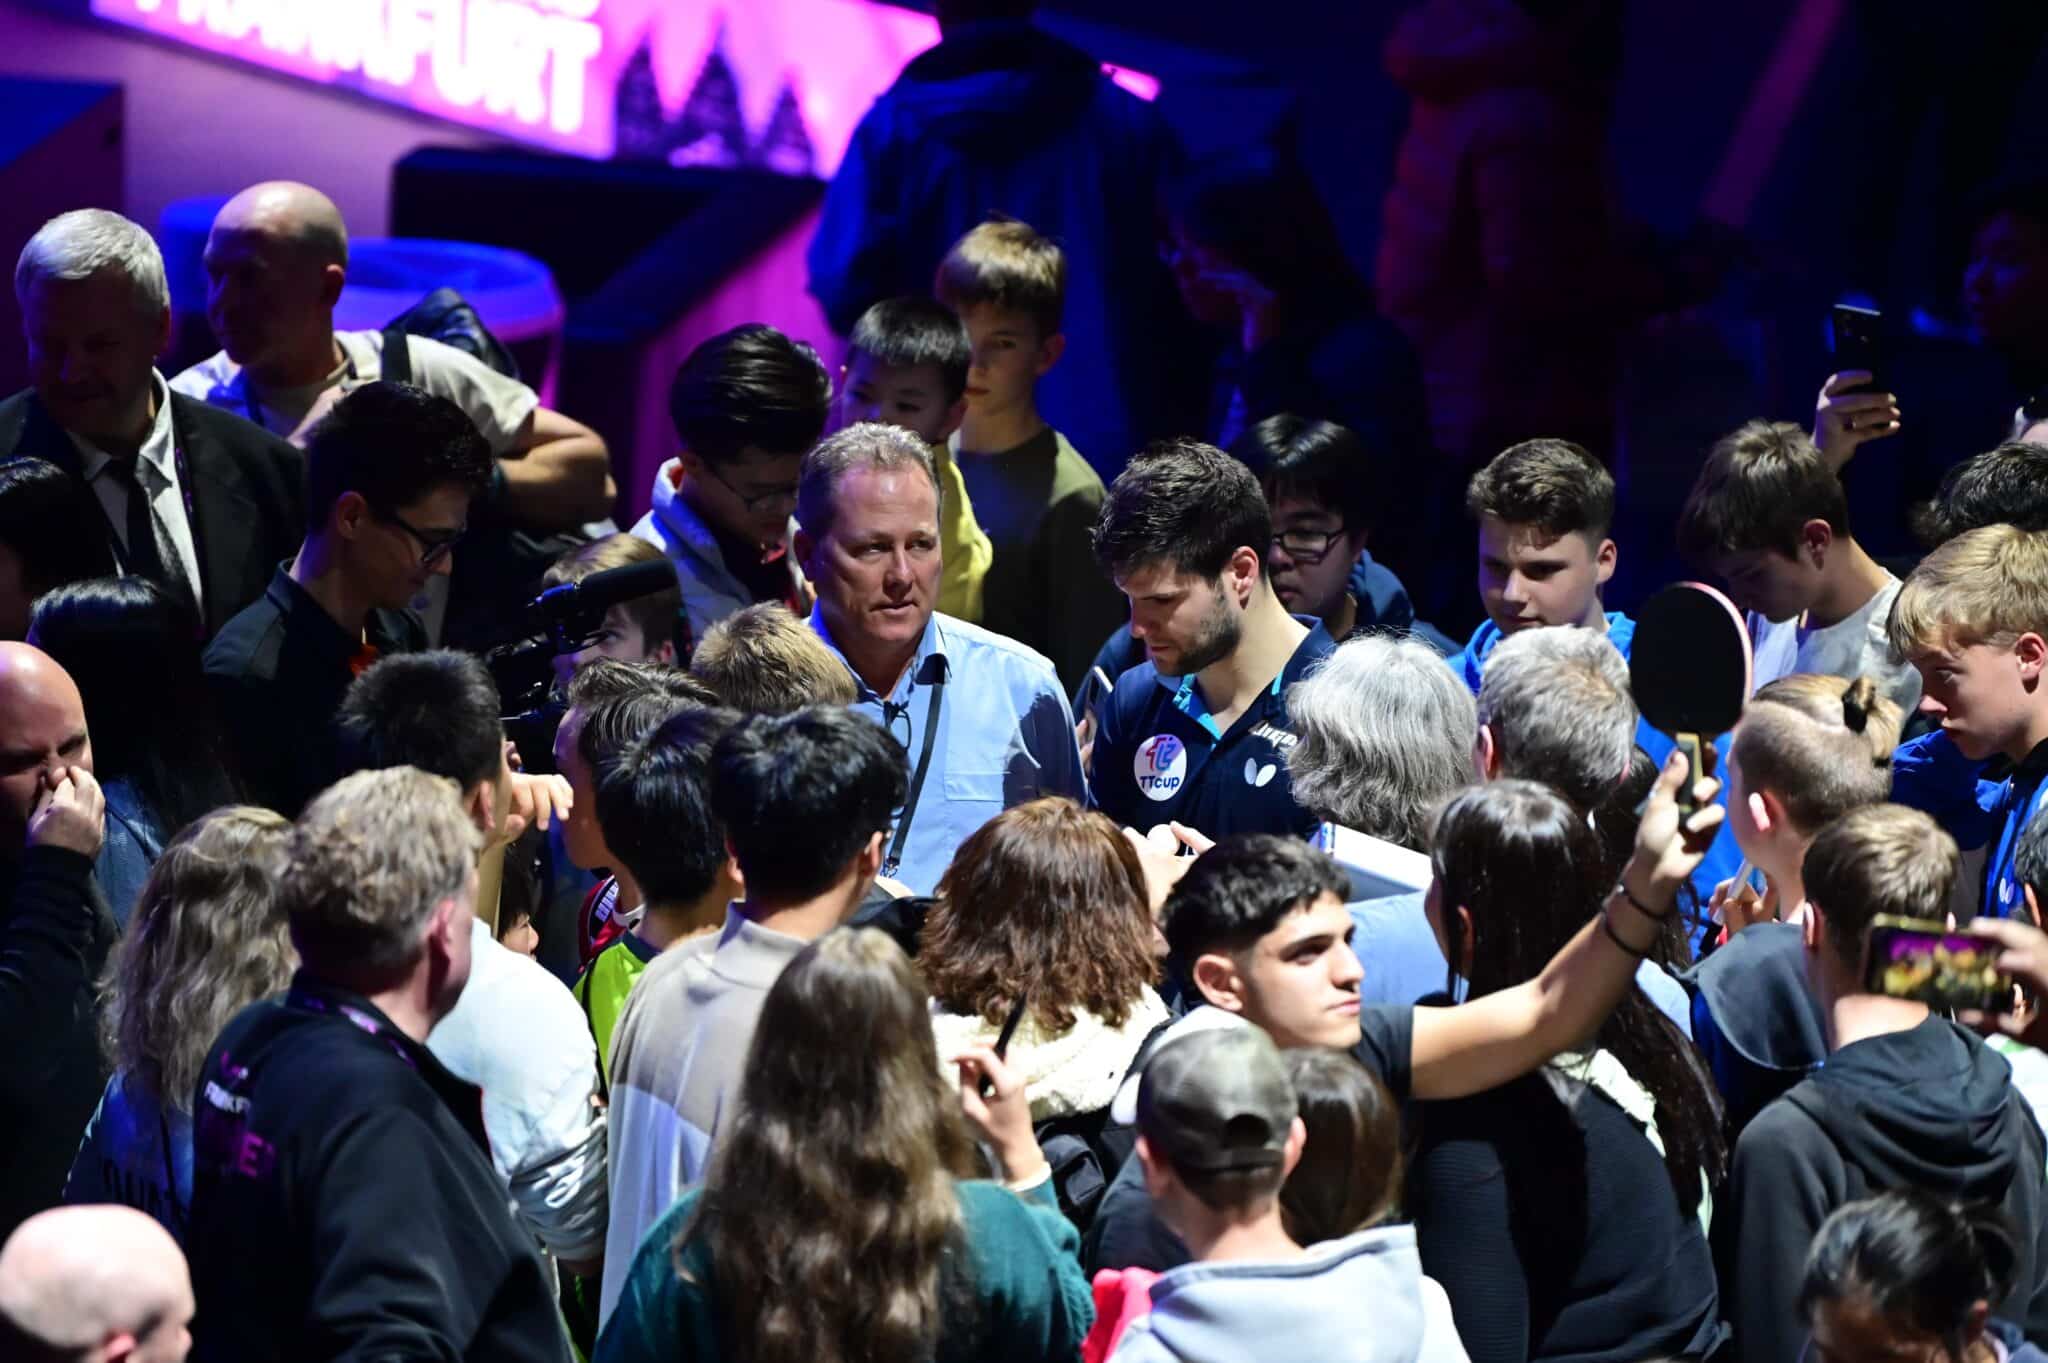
(1005, 735)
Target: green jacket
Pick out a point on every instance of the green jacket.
(1032, 1302)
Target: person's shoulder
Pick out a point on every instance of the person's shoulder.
(983, 647)
(1073, 476)
(235, 434)
(430, 356)
(249, 644)
(1783, 1132)
(204, 380)
(1000, 1223)
(1470, 664)
(15, 406)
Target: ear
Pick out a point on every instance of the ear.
(804, 547)
(871, 858)
(1813, 927)
(955, 414)
(2033, 905)
(692, 462)
(163, 332)
(332, 280)
(1246, 567)
(1604, 559)
(349, 515)
(1467, 939)
(481, 800)
(1764, 810)
(1297, 1138)
(1157, 1174)
(2032, 654)
(664, 652)
(119, 1347)
(1815, 538)
(1217, 979)
(1049, 352)
(1486, 754)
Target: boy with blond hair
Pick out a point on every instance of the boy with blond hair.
(1770, 519)
(1973, 620)
(1034, 495)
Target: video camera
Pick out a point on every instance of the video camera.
(562, 620)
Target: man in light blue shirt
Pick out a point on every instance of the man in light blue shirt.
(982, 719)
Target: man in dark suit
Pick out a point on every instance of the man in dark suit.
(201, 502)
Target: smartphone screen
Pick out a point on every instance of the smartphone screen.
(1942, 967)
(1858, 341)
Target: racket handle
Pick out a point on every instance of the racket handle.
(1688, 744)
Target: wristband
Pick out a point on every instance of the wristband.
(1607, 926)
(1621, 888)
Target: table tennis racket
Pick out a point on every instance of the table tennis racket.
(1690, 669)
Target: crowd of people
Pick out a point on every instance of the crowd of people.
(964, 908)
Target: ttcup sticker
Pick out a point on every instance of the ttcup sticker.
(1160, 766)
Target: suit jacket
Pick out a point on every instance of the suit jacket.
(248, 493)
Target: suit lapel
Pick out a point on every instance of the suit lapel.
(224, 516)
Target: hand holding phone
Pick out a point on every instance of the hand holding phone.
(1948, 969)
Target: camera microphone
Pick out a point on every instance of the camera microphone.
(577, 608)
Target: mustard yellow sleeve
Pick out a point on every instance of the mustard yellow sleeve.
(964, 549)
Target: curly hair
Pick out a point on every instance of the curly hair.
(830, 1213)
(208, 938)
(1046, 894)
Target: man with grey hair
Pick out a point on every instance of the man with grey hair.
(97, 1284)
(276, 260)
(983, 719)
(344, 1202)
(1554, 707)
(204, 504)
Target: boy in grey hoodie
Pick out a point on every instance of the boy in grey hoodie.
(1218, 1133)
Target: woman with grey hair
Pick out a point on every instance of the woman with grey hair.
(1385, 734)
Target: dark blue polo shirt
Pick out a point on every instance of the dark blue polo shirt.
(1160, 757)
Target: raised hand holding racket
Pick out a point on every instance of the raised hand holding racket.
(1690, 668)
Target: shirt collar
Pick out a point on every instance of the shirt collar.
(159, 447)
(926, 666)
(307, 619)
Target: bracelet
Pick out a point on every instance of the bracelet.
(1621, 888)
(1607, 926)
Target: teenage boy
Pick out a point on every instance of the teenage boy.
(1906, 1098)
(906, 365)
(1257, 928)
(805, 800)
(1198, 733)
(1034, 495)
(1544, 508)
(765, 661)
(654, 810)
(1219, 1132)
(1973, 619)
(1769, 519)
(391, 474)
(642, 630)
(746, 405)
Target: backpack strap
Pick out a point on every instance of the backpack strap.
(397, 364)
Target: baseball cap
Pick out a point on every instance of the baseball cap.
(1217, 1099)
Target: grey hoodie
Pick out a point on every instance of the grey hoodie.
(1361, 1299)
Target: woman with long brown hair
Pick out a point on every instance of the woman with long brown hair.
(1044, 907)
(207, 938)
(843, 1219)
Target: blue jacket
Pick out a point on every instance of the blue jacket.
(1724, 858)
(1930, 773)
(1002, 117)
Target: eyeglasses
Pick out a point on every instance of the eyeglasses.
(433, 548)
(1307, 546)
(759, 500)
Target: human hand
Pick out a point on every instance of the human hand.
(536, 802)
(1162, 868)
(1669, 848)
(1196, 841)
(993, 1100)
(1844, 420)
(1736, 903)
(72, 814)
(1084, 739)
(2025, 958)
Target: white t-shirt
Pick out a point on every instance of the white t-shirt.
(1855, 646)
(497, 404)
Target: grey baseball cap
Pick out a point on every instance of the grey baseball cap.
(1217, 1099)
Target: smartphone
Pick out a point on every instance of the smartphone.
(1943, 967)
(1858, 341)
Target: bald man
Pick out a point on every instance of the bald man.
(276, 261)
(94, 1285)
(54, 935)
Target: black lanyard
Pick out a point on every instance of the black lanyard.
(894, 860)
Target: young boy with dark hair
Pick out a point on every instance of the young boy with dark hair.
(1906, 1098)
(1769, 519)
(906, 366)
(1033, 493)
(1973, 619)
(654, 810)
(746, 405)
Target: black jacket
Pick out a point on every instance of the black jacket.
(248, 492)
(53, 941)
(344, 1205)
(1930, 1108)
